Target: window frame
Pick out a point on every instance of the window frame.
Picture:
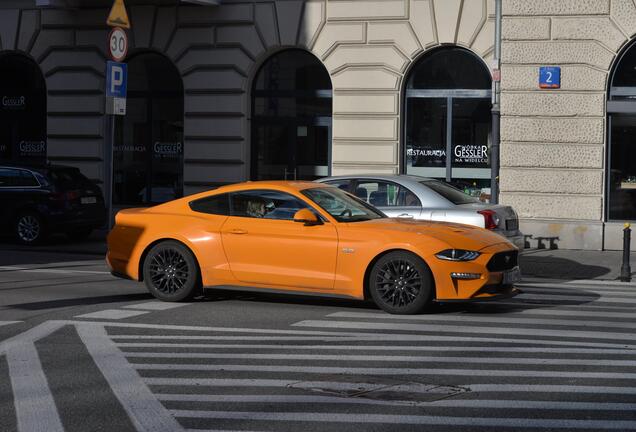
(20, 171)
(306, 204)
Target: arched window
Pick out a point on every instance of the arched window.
(448, 119)
(22, 110)
(148, 149)
(621, 148)
(291, 118)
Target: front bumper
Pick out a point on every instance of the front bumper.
(485, 285)
(504, 292)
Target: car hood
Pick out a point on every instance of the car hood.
(455, 235)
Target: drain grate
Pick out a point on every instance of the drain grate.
(379, 388)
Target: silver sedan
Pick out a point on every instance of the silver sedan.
(415, 197)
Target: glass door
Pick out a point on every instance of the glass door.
(621, 181)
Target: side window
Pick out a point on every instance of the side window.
(406, 198)
(216, 205)
(380, 193)
(27, 179)
(265, 204)
(340, 184)
(16, 178)
(6, 177)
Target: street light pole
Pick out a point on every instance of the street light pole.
(496, 88)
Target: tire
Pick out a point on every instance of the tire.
(171, 272)
(79, 233)
(401, 283)
(29, 228)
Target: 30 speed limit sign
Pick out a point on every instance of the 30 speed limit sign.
(118, 44)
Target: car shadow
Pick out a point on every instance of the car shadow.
(538, 264)
(82, 301)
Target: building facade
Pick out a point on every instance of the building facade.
(303, 89)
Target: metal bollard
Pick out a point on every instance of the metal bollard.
(626, 270)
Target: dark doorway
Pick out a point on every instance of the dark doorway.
(448, 119)
(148, 150)
(621, 148)
(22, 110)
(291, 118)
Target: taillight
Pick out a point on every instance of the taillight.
(64, 196)
(491, 220)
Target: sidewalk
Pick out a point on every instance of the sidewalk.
(543, 263)
(574, 264)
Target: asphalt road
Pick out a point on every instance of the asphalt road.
(82, 351)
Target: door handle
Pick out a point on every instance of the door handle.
(405, 216)
(238, 231)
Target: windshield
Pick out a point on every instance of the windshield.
(341, 205)
(449, 192)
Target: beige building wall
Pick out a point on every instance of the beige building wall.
(554, 141)
(366, 45)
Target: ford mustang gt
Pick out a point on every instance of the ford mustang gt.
(308, 238)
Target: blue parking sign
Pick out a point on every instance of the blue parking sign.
(550, 77)
(116, 79)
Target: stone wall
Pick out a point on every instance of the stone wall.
(553, 141)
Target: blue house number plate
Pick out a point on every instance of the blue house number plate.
(550, 77)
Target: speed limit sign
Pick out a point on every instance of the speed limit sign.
(118, 44)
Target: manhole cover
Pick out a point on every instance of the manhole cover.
(379, 388)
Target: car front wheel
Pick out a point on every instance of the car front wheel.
(401, 283)
(29, 228)
(171, 272)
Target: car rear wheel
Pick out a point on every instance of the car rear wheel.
(401, 283)
(29, 228)
(171, 272)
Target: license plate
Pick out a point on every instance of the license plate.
(511, 276)
(88, 200)
(512, 224)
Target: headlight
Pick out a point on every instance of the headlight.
(457, 255)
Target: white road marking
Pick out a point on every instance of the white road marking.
(34, 404)
(144, 410)
(114, 314)
(574, 298)
(4, 323)
(490, 319)
(564, 312)
(584, 334)
(474, 388)
(577, 282)
(235, 338)
(156, 306)
(443, 403)
(410, 419)
(584, 292)
(388, 358)
(51, 271)
(438, 349)
(384, 371)
(557, 307)
(400, 337)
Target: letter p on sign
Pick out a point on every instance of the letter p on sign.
(116, 79)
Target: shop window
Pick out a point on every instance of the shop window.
(621, 148)
(291, 118)
(448, 119)
(148, 151)
(22, 110)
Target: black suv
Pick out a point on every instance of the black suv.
(37, 201)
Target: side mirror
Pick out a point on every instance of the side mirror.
(307, 217)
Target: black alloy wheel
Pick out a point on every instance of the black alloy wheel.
(29, 228)
(401, 283)
(171, 272)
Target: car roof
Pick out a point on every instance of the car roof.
(403, 179)
(37, 168)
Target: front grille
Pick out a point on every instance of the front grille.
(503, 261)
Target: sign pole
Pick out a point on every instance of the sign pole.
(116, 80)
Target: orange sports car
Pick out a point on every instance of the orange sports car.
(307, 238)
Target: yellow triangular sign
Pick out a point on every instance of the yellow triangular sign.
(118, 16)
